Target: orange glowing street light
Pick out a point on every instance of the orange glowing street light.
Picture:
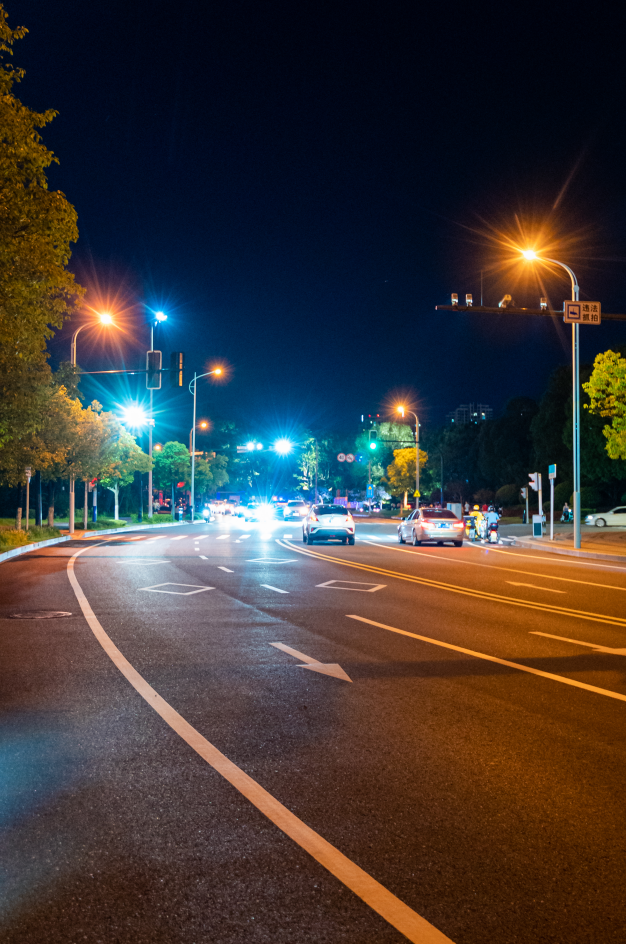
(104, 318)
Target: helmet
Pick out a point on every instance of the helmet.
(475, 508)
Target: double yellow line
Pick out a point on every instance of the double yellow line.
(466, 591)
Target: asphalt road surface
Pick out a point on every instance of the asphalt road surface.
(233, 737)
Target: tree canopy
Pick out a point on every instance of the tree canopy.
(607, 393)
(37, 228)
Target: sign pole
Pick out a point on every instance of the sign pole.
(28, 475)
(552, 476)
(540, 494)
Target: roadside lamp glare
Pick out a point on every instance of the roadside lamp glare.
(160, 316)
(218, 371)
(250, 446)
(529, 254)
(134, 416)
(401, 410)
(282, 446)
(259, 445)
(106, 319)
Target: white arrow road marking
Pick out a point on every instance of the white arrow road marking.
(534, 586)
(325, 668)
(408, 922)
(268, 586)
(578, 642)
(225, 569)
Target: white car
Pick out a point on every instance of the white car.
(431, 524)
(327, 523)
(615, 517)
(297, 508)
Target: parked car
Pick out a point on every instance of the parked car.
(615, 517)
(431, 524)
(327, 523)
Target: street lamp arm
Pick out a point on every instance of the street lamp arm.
(195, 378)
(574, 280)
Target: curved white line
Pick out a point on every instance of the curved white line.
(394, 911)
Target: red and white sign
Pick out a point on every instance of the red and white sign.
(341, 457)
(349, 457)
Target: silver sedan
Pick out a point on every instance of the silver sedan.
(431, 524)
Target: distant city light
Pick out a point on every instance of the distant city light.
(282, 447)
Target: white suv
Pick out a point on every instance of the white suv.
(328, 522)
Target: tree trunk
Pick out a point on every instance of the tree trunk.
(51, 496)
(86, 507)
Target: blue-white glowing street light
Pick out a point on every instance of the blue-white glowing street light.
(134, 416)
(283, 447)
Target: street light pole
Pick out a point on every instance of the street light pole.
(530, 254)
(402, 410)
(194, 382)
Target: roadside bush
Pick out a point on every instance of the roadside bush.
(508, 495)
(562, 493)
(484, 496)
(590, 497)
(10, 538)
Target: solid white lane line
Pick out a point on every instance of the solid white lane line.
(578, 642)
(379, 899)
(510, 570)
(481, 655)
(533, 586)
(225, 569)
(268, 586)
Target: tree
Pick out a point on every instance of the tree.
(606, 389)
(125, 459)
(400, 477)
(171, 465)
(210, 474)
(37, 228)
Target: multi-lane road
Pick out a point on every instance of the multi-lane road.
(233, 737)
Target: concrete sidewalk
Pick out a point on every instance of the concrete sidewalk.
(596, 544)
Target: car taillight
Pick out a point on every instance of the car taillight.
(314, 518)
(458, 524)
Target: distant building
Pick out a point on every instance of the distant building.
(470, 413)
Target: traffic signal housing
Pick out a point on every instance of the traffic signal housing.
(177, 364)
(373, 437)
(154, 363)
(534, 481)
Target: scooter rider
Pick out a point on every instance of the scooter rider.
(567, 513)
(477, 519)
(492, 517)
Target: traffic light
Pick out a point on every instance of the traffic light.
(154, 362)
(534, 481)
(177, 363)
(373, 435)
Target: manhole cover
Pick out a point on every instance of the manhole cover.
(39, 614)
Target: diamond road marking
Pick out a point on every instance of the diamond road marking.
(273, 560)
(352, 585)
(181, 593)
(142, 560)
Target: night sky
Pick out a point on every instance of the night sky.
(299, 185)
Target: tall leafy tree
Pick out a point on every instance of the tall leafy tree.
(37, 228)
(171, 465)
(606, 389)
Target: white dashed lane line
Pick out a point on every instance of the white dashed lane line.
(225, 569)
(222, 537)
(268, 586)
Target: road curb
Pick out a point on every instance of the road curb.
(568, 552)
(27, 548)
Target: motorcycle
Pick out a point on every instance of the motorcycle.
(493, 533)
(567, 515)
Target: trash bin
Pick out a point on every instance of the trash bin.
(537, 526)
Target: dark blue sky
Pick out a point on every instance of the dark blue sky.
(299, 184)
